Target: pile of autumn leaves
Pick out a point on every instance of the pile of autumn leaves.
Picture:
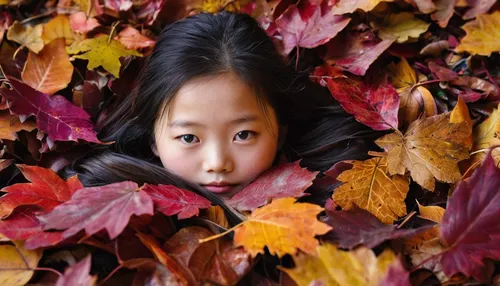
(425, 141)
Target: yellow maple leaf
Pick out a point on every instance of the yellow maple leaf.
(59, 27)
(482, 35)
(100, 52)
(349, 6)
(485, 136)
(331, 266)
(401, 27)
(18, 258)
(10, 125)
(368, 186)
(29, 36)
(283, 226)
(431, 148)
(50, 70)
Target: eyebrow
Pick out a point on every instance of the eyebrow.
(186, 123)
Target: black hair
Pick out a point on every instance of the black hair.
(319, 133)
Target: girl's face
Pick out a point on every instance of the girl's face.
(217, 135)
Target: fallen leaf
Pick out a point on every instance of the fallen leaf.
(172, 200)
(59, 27)
(401, 27)
(485, 136)
(46, 190)
(93, 209)
(357, 226)
(81, 24)
(373, 104)
(425, 6)
(118, 5)
(441, 72)
(444, 11)
(284, 180)
(216, 214)
(331, 266)
(308, 31)
(133, 39)
(460, 113)
(431, 148)
(29, 36)
(50, 70)
(434, 213)
(283, 226)
(475, 88)
(349, 6)
(482, 35)
(56, 116)
(77, 274)
(368, 186)
(478, 7)
(101, 52)
(10, 125)
(17, 263)
(470, 226)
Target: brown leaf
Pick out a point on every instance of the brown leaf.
(10, 125)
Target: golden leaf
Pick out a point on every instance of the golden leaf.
(59, 27)
(283, 226)
(482, 35)
(100, 52)
(349, 6)
(331, 266)
(28, 36)
(431, 148)
(461, 114)
(433, 213)
(20, 259)
(10, 125)
(50, 70)
(401, 27)
(486, 135)
(367, 186)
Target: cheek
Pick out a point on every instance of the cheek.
(176, 161)
(259, 159)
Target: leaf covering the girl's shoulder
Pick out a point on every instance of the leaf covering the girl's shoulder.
(283, 226)
(93, 209)
(77, 274)
(286, 180)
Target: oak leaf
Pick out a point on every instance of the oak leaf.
(172, 200)
(93, 209)
(284, 180)
(17, 263)
(29, 36)
(101, 51)
(482, 35)
(331, 266)
(401, 27)
(50, 70)
(77, 274)
(10, 125)
(349, 6)
(431, 148)
(46, 190)
(283, 226)
(470, 227)
(59, 27)
(368, 186)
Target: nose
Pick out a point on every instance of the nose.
(217, 159)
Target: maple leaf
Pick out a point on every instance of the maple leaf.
(368, 186)
(283, 226)
(50, 70)
(470, 225)
(77, 274)
(285, 180)
(107, 207)
(401, 27)
(172, 200)
(17, 264)
(359, 227)
(311, 30)
(331, 266)
(431, 148)
(56, 116)
(444, 11)
(10, 125)
(482, 35)
(478, 7)
(59, 27)
(28, 36)
(46, 190)
(133, 39)
(349, 6)
(81, 24)
(101, 52)
(375, 105)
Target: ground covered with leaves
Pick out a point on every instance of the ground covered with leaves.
(422, 211)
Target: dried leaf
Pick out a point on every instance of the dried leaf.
(444, 11)
(59, 27)
(483, 35)
(283, 227)
(478, 7)
(17, 264)
(28, 36)
(10, 125)
(81, 24)
(402, 27)
(349, 6)
(50, 70)
(77, 274)
(486, 136)
(431, 148)
(100, 52)
(133, 39)
(434, 213)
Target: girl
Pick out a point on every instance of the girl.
(214, 107)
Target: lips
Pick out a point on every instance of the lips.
(219, 188)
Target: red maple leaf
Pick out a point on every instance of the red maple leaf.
(285, 180)
(55, 115)
(470, 225)
(309, 26)
(46, 190)
(172, 200)
(93, 209)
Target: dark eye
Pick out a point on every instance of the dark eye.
(188, 138)
(244, 135)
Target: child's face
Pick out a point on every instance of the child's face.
(216, 134)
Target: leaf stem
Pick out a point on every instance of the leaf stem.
(408, 217)
(425, 82)
(113, 29)
(220, 234)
